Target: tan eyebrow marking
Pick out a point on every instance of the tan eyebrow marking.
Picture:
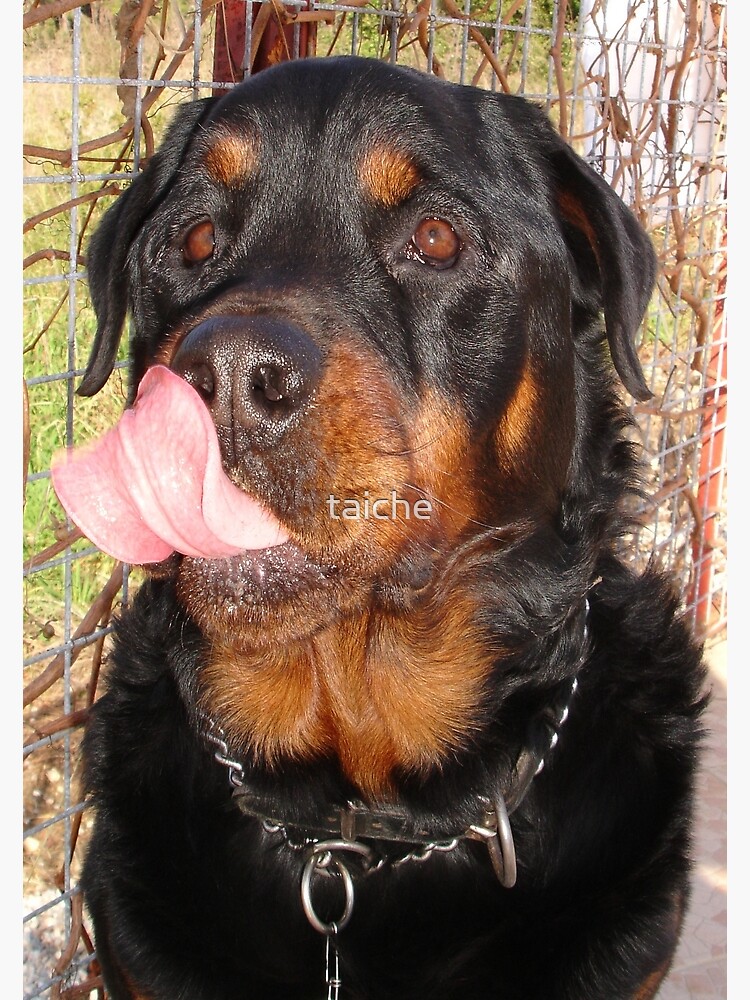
(389, 175)
(232, 159)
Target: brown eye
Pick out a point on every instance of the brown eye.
(436, 242)
(199, 243)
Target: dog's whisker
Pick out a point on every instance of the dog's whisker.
(414, 449)
(433, 499)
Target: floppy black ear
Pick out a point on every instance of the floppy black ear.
(108, 247)
(615, 259)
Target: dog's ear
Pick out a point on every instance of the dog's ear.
(108, 247)
(615, 260)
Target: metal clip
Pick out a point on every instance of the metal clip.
(332, 973)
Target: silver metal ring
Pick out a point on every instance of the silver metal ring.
(499, 840)
(502, 848)
(311, 866)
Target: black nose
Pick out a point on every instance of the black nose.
(256, 375)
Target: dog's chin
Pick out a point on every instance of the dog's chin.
(260, 576)
(286, 592)
(262, 596)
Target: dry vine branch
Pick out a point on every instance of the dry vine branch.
(26, 437)
(55, 9)
(49, 254)
(53, 316)
(125, 131)
(556, 56)
(452, 9)
(73, 720)
(100, 607)
(52, 550)
(423, 36)
(673, 116)
(68, 954)
(94, 982)
(507, 18)
(130, 23)
(65, 206)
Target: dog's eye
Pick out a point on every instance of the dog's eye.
(436, 242)
(199, 243)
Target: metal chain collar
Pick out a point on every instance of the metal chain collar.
(355, 824)
(337, 857)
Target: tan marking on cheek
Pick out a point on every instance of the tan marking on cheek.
(232, 159)
(443, 458)
(515, 430)
(388, 175)
(358, 434)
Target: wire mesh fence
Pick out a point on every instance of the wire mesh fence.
(637, 86)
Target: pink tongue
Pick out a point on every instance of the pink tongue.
(154, 483)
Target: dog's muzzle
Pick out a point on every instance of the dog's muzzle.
(256, 374)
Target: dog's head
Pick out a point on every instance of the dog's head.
(387, 289)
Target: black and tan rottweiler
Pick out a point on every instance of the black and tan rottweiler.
(439, 744)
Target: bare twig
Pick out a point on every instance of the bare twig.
(26, 437)
(556, 56)
(52, 550)
(673, 115)
(423, 35)
(101, 606)
(53, 316)
(70, 721)
(507, 18)
(125, 131)
(83, 989)
(65, 206)
(68, 954)
(44, 11)
(49, 254)
(452, 9)
(130, 22)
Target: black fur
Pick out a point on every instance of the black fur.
(193, 899)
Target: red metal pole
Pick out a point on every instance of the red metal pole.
(229, 44)
(711, 472)
(272, 38)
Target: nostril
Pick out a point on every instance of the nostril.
(268, 383)
(201, 377)
(275, 390)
